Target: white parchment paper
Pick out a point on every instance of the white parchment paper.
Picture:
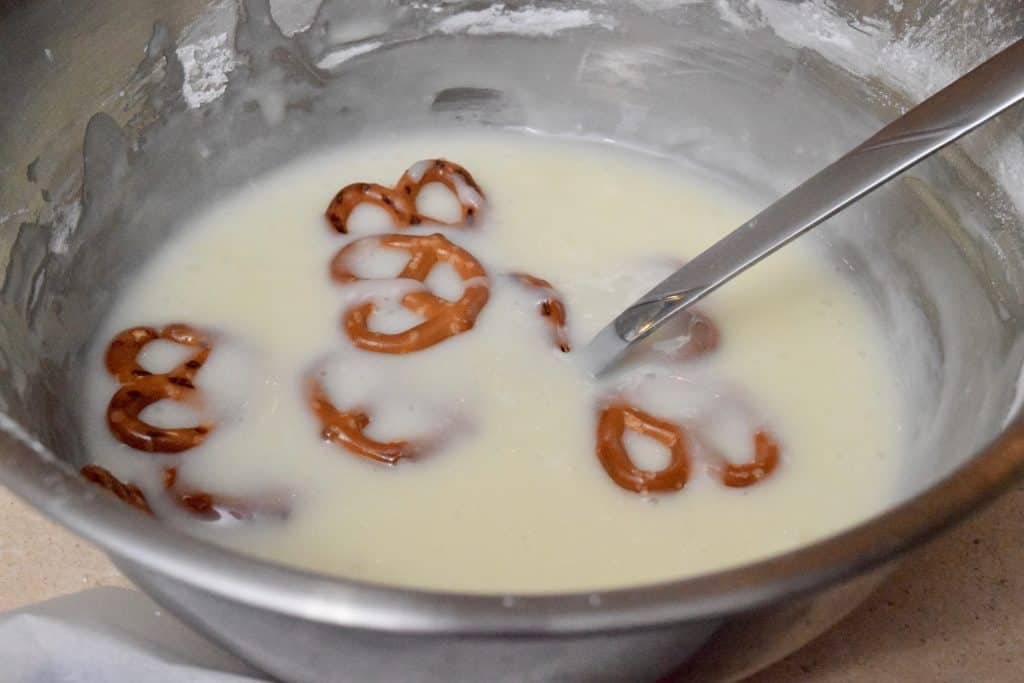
(109, 634)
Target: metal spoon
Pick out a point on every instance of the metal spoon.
(944, 117)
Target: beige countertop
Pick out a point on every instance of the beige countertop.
(954, 611)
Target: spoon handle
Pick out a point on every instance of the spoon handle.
(944, 117)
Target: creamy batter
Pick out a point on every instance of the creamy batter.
(510, 496)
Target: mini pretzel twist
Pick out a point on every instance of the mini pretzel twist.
(214, 506)
(617, 417)
(141, 388)
(442, 318)
(613, 422)
(400, 201)
(347, 429)
(129, 493)
(550, 307)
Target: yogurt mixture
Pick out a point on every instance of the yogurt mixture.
(499, 482)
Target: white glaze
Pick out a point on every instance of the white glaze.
(516, 500)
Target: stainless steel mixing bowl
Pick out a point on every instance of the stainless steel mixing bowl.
(172, 104)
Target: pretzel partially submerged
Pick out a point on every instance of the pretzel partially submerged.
(764, 462)
(619, 416)
(141, 388)
(127, 492)
(551, 307)
(441, 318)
(215, 506)
(347, 428)
(209, 506)
(400, 201)
(702, 337)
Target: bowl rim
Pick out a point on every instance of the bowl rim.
(54, 488)
(33, 473)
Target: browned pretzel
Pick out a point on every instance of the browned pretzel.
(442, 318)
(703, 337)
(550, 307)
(141, 388)
(400, 201)
(618, 416)
(766, 459)
(129, 493)
(346, 428)
(615, 419)
(213, 506)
